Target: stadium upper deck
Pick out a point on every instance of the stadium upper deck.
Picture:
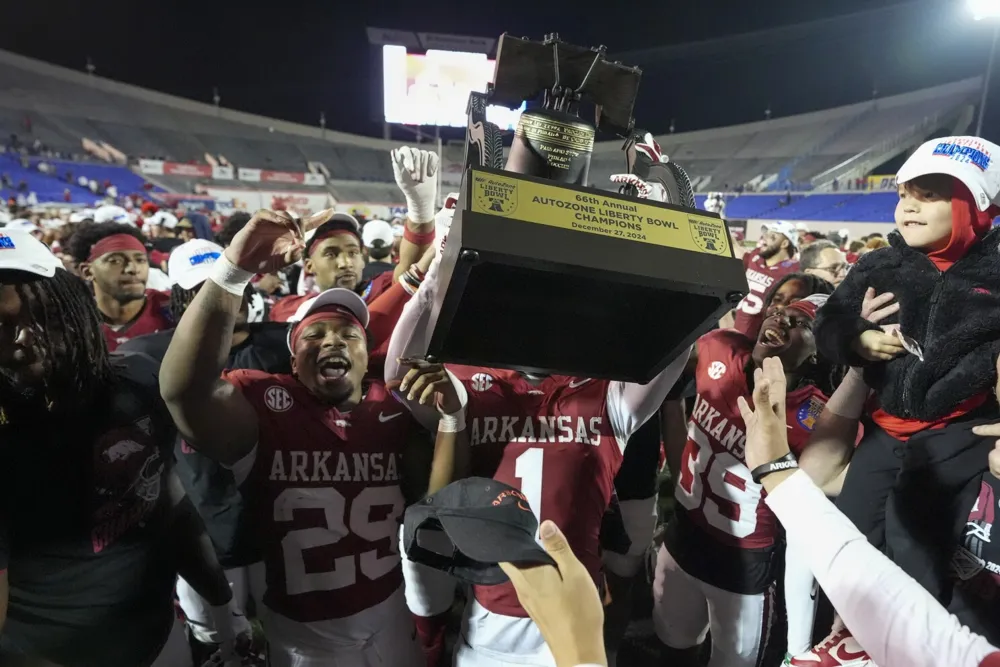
(66, 106)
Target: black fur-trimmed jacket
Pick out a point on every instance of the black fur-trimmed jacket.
(954, 316)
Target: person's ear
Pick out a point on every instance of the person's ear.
(85, 271)
(307, 266)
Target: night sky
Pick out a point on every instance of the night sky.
(291, 60)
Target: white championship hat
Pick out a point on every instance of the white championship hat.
(112, 214)
(336, 296)
(20, 251)
(190, 264)
(969, 159)
(377, 230)
(786, 229)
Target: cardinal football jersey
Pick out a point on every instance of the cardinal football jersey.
(325, 485)
(557, 443)
(760, 279)
(717, 498)
(155, 316)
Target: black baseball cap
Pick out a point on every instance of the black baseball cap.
(487, 521)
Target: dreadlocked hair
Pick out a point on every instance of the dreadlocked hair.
(181, 298)
(822, 374)
(89, 233)
(65, 319)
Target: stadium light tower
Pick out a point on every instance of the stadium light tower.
(986, 10)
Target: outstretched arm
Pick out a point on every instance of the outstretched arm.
(630, 404)
(411, 337)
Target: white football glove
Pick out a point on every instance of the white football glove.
(442, 221)
(416, 175)
(653, 191)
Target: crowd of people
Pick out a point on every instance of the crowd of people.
(210, 436)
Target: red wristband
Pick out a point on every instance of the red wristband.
(418, 239)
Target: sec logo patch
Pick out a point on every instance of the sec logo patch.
(809, 412)
(482, 382)
(277, 399)
(716, 370)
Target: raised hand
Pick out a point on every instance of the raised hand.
(416, 174)
(429, 384)
(269, 242)
(766, 426)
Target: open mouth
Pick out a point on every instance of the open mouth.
(773, 337)
(334, 368)
(914, 223)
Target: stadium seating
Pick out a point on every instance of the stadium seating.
(832, 207)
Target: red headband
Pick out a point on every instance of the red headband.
(322, 236)
(115, 243)
(809, 305)
(331, 312)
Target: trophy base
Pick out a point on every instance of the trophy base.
(537, 296)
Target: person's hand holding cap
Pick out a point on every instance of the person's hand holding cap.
(563, 602)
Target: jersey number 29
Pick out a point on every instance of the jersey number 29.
(339, 523)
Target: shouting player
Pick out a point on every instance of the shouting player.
(88, 564)
(765, 265)
(719, 564)
(320, 451)
(112, 257)
(558, 439)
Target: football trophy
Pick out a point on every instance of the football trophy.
(546, 275)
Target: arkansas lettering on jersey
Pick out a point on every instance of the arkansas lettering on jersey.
(714, 486)
(325, 486)
(555, 443)
(760, 278)
(155, 316)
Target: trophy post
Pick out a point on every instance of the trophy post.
(543, 275)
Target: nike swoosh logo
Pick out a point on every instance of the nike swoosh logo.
(846, 656)
(382, 417)
(574, 384)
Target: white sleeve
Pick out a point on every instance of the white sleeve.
(891, 615)
(630, 405)
(241, 469)
(410, 338)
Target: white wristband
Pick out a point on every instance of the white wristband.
(452, 423)
(230, 277)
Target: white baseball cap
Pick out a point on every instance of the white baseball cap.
(786, 229)
(377, 230)
(22, 224)
(190, 264)
(162, 219)
(21, 251)
(969, 159)
(112, 214)
(335, 296)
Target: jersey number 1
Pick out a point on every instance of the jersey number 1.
(528, 468)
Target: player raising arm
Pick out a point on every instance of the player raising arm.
(320, 451)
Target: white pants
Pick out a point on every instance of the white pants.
(495, 640)
(382, 636)
(176, 652)
(800, 599)
(246, 582)
(429, 592)
(685, 608)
